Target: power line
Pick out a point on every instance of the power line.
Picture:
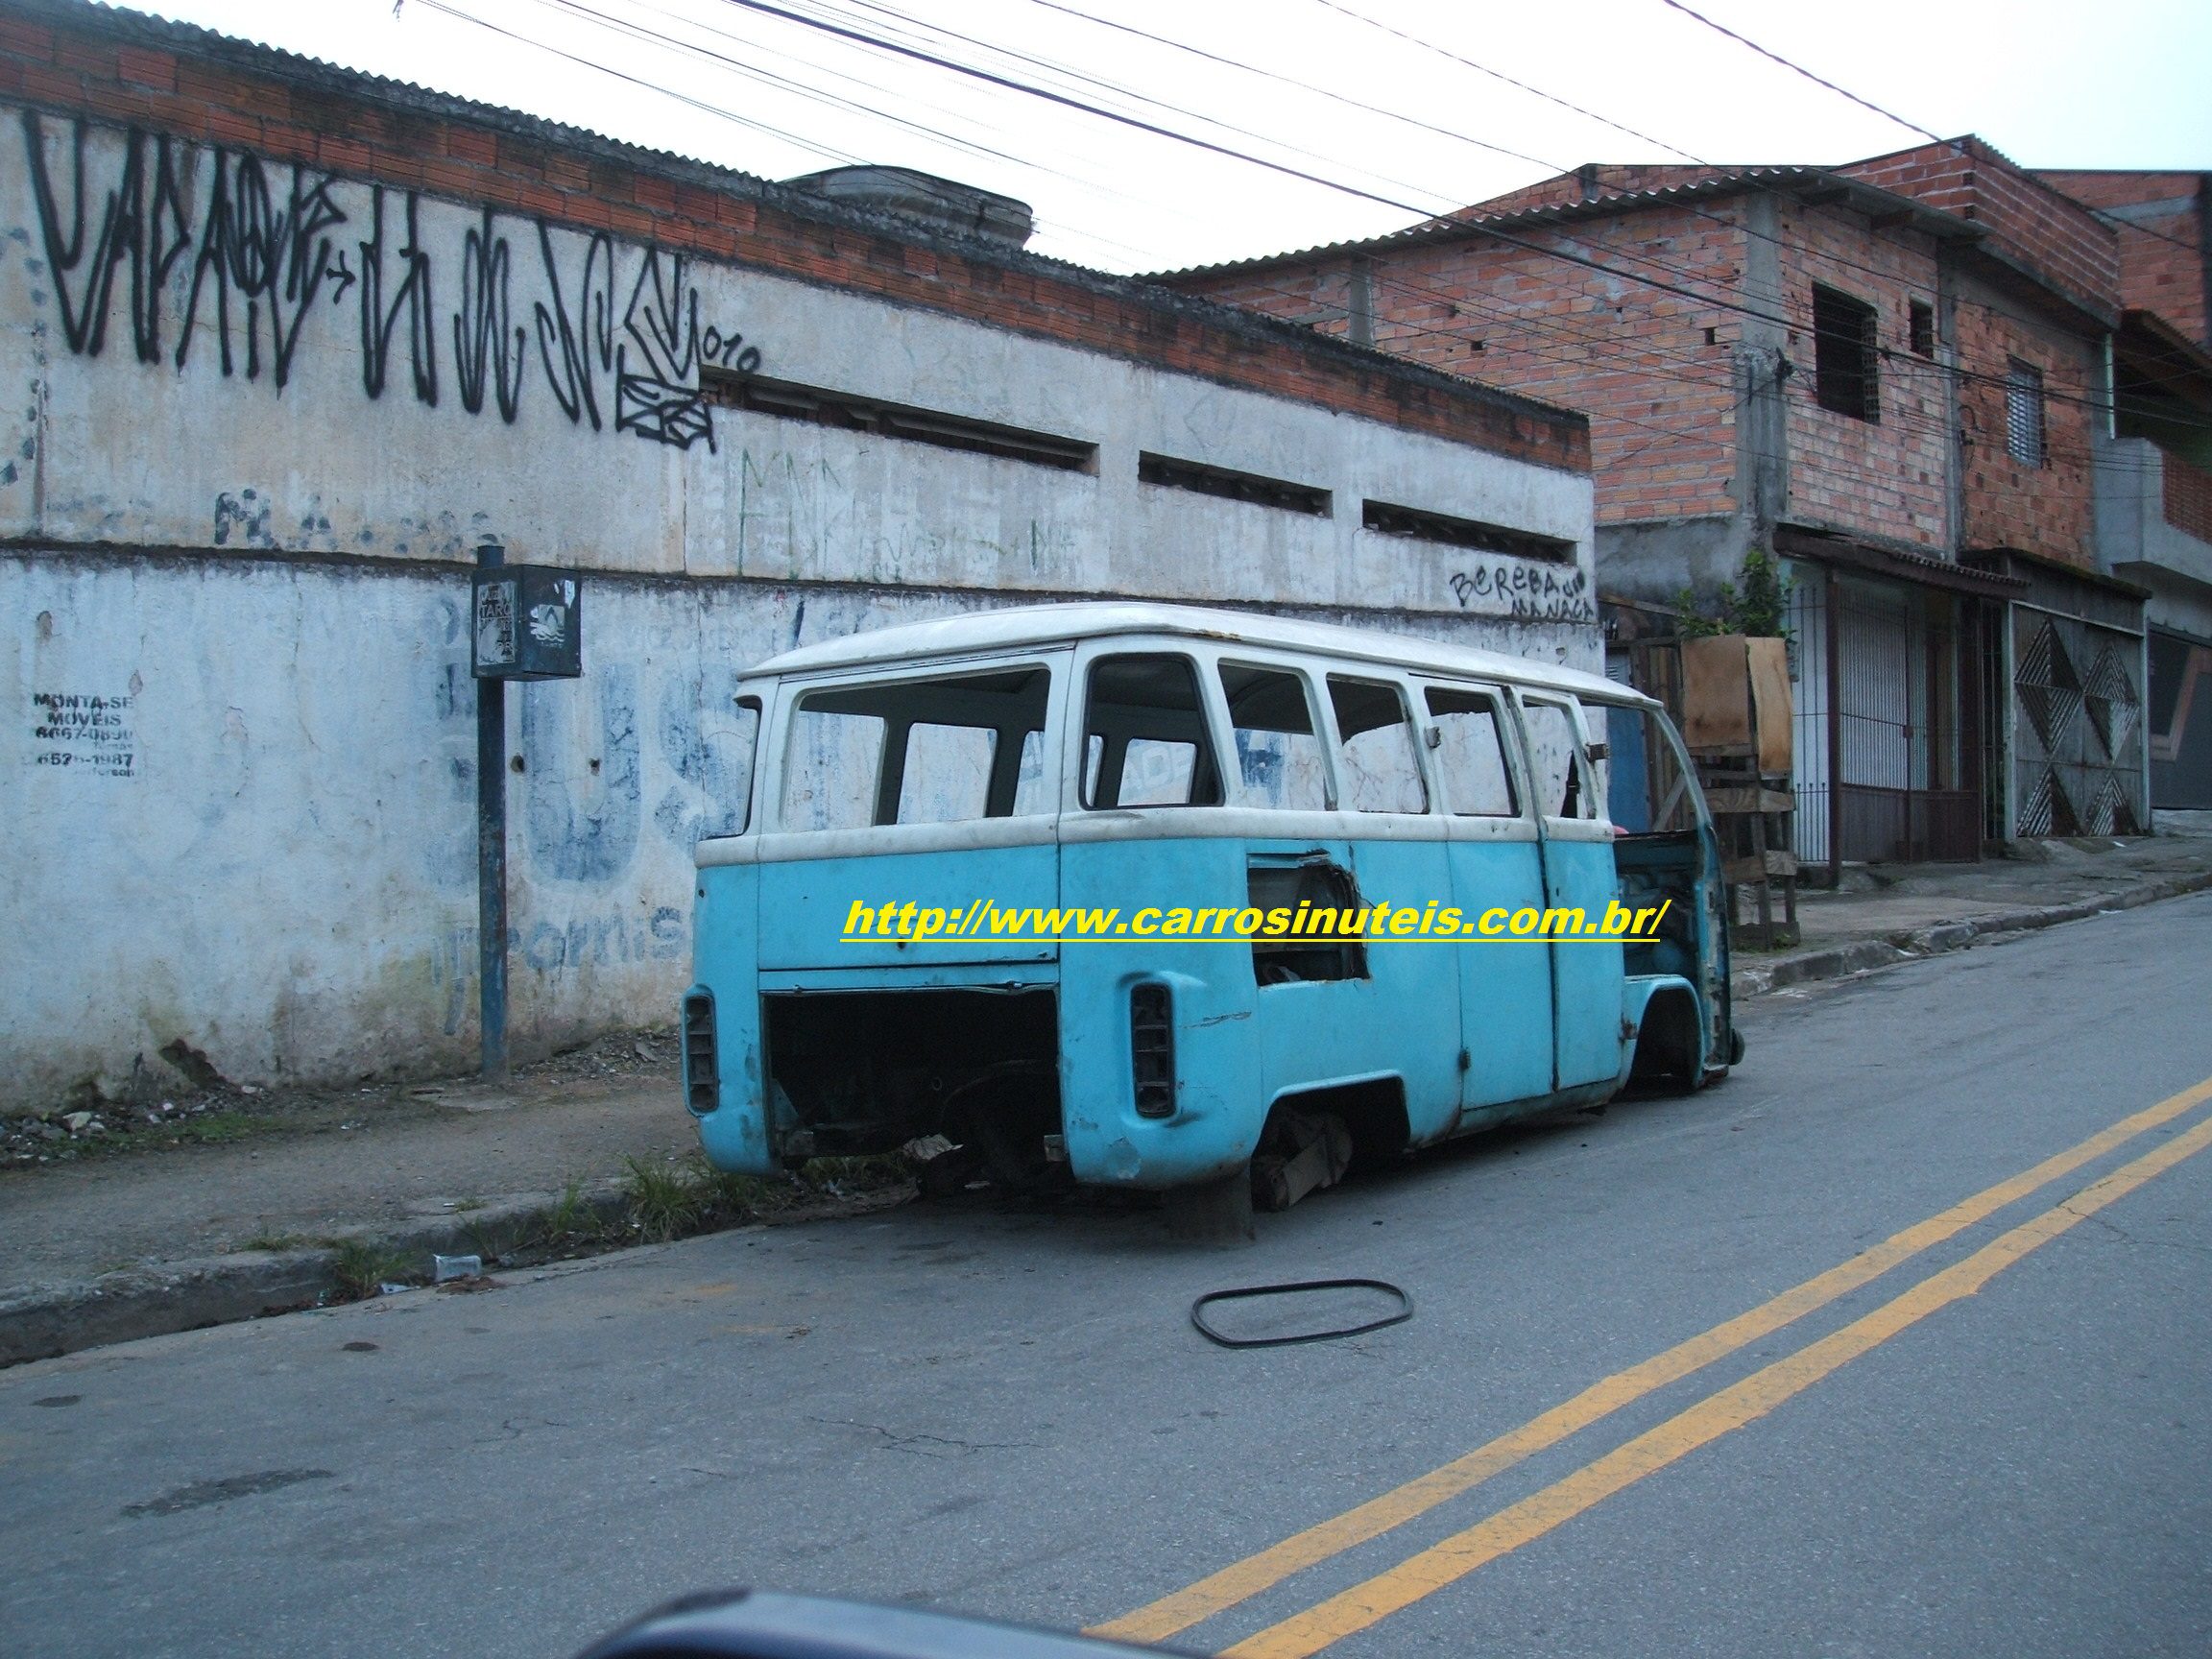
(1302, 85)
(864, 38)
(1799, 69)
(1533, 92)
(698, 103)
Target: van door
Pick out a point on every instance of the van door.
(1579, 876)
(1495, 862)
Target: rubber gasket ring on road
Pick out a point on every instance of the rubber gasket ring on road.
(1199, 1311)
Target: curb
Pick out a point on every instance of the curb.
(1886, 950)
(45, 1321)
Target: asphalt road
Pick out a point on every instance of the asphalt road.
(1978, 1431)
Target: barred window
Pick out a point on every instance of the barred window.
(1845, 352)
(2023, 438)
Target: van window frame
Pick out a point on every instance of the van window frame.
(772, 767)
(1265, 662)
(1409, 706)
(1506, 719)
(1075, 709)
(1588, 785)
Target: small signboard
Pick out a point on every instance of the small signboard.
(527, 623)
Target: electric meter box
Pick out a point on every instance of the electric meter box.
(528, 623)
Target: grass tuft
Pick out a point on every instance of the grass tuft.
(362, 1266)
(666, 1199)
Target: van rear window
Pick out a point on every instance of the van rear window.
(918, 751)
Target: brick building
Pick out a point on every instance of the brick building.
(289, 344)
(2155, 459)
(1889, 375)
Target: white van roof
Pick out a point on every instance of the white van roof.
(1031, 626)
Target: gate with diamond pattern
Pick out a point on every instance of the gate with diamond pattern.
(2078, 743)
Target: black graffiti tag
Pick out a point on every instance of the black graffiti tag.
(1530, 593)
(275, 258)
(379, 319)
(661, 399)
(588, 341)
(480, 332)
(151, 236)
(259, 254)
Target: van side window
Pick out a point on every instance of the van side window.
(947, 773)
(830, 771)
(1145, 740)
(1471, 754)
(1380, 769)
(917, 752)
(1560, 774)
(1279, 762)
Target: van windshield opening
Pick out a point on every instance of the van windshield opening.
(1649, 792)
(919, 752)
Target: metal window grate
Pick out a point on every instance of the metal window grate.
(1922, 328)
(1846, 348)
(2023, 438)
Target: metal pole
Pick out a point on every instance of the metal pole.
(1835, 735)
(492, 856)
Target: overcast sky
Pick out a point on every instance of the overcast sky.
(2051, 82)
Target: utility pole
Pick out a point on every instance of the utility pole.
(526, 622)
(491, 828)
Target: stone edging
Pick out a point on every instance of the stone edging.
(1889, 949)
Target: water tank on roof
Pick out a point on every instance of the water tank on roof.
(943, 203)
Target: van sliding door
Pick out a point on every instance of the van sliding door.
(1494, 860)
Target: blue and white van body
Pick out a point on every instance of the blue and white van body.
(1133, 757)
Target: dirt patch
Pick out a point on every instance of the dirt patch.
(216, 1112)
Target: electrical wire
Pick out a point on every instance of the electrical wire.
(862, 38)
(1799, 69)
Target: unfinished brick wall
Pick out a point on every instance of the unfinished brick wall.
(1883, 477)
(2162, 252)
(1659, 393)
(1657, 374)
(70, 58)
(2027, 222)
(2047, 509)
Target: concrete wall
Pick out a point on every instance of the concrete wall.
(255, 420)
(2135, 541)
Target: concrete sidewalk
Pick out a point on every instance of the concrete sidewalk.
(1892, 913)
(138, 1219)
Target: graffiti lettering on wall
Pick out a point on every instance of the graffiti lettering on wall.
(1530, 593)
(82, 731)
(247, 252)
(550, 949)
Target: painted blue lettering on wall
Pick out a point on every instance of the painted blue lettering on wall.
(709, 742)
(583, 821)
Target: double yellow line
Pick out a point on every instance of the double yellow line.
(1732, 1408)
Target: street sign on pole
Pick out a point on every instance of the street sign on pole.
(526, 622)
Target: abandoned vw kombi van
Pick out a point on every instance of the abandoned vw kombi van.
(1150, 896)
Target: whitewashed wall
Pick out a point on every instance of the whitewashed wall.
(239, 745)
